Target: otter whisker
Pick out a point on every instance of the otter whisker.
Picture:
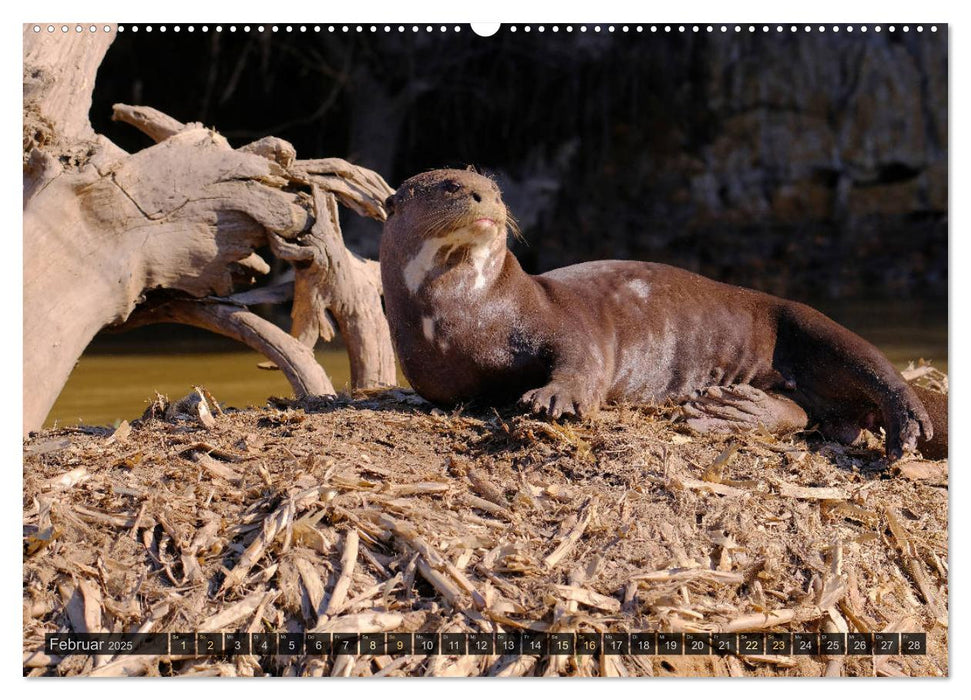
(513, 227)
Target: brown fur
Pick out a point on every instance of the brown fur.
(468, 323)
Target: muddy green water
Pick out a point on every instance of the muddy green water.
(117, 377)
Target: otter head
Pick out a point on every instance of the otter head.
(445, 221)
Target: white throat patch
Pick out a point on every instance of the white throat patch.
(417, 269)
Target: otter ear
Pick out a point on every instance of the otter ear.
(389, 205)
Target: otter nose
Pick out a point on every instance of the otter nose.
(476, 196)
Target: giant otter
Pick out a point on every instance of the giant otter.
(468, 323)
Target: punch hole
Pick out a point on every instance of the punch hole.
(36, 28)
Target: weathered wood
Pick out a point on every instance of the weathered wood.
(335, 281)
(103, 227)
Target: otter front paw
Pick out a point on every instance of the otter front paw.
(561, 398)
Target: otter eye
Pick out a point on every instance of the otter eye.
(451, 186)
(389, 205)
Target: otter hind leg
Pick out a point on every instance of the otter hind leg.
(738, 408)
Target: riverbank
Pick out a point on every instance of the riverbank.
(383, 514)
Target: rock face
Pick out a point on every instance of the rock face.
(825, 127)
(804, 163)
(807, 164)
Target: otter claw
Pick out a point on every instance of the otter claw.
(554, 401)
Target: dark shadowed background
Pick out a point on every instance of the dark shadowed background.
(810, 165)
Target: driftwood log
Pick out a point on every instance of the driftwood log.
(168, 234)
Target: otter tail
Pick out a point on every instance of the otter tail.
(843, 378)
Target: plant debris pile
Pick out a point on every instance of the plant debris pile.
(383, 514)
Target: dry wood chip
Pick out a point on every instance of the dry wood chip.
(348, 562)
(121, 433)
(423, 487)
(364, 622)
(68, 479)
(679, 575)
(920, 470)
(312, 583)
(588, 597)
(818, 493)
(484, 486)
(697, 485)
(569, 541)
